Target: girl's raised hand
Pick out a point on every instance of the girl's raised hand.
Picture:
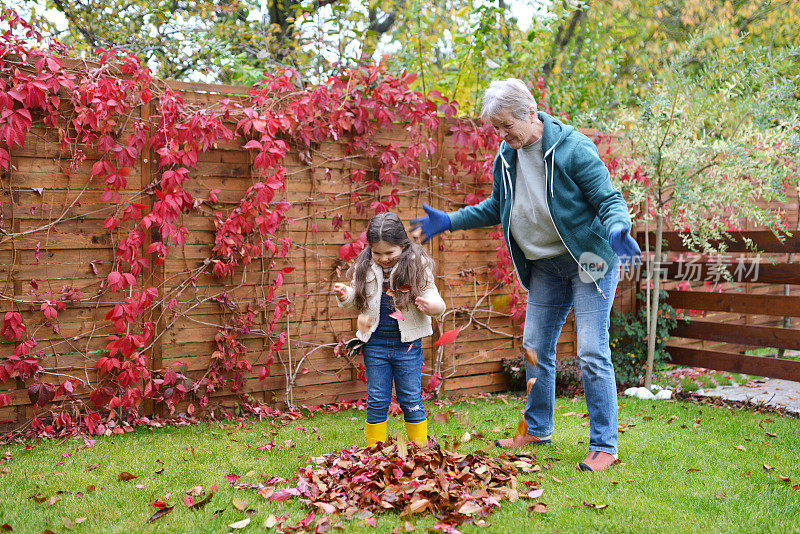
(340, 290)
(427, 307)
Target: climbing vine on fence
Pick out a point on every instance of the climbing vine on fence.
(96, 109)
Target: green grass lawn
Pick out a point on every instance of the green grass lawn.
(684, 468)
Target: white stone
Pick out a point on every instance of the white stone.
(630, 392)
(644, 394)
(664, 394)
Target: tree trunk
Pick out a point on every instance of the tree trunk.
(651, 338)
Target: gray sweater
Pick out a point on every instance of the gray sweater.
(531, 224)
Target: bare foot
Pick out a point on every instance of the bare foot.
(596, 461)
(520, 441)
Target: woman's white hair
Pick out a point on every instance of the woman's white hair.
(510, 95)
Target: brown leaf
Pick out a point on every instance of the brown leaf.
(38, 497)
(5, 527)
(125, 476)
(93, 467)
(529, 385)
(469, 508)
(402, 447)
(768, 467)
(692, 470)
(239, 504)
(784, 479)
(721, 496)
(160, 513)
(418, 506)
(595, 506)
(442, 417)
(740, 448)
(531, 357)
(52, 500)
(556, 479)
(522, 427)
(538, 508)
(204, 501)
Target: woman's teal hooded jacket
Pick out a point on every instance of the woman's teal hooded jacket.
(583, 204)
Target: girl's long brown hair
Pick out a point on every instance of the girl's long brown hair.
(408, 279)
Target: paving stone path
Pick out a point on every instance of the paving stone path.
(771, 392)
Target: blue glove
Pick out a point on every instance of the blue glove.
(435, 223)
(625, 246)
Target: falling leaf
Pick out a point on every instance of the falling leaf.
(442, 417)
(531, 382)
(125, 476)
(239, 504)
(363, 323)
(531, 357)
(240, 524)
(448, 337)
(160, 513)
(522, 427)
(397, 315)
(538, 508)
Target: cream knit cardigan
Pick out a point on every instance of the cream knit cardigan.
(414, 324)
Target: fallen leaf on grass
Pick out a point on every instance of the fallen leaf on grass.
(470, 508)
(796, 487)
(160, 513)
(784, 479)
(535, 494)
(768, 467)
(218, 513)
(125, 476)
(740, 448)
(239, 504)
(79, 520)
(538, 508)
(67, 522)
(204, 501)
(38, 497)
(159, 504)
(52, 500)
(240, 524)
(692, 470)
(556, 479)
(595, 506)
(721, 496)
(93, 467)
(270, 521)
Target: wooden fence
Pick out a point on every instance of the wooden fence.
(78, 252)
(736, 302)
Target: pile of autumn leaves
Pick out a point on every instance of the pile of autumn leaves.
(395, 476)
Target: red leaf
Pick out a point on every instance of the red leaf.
(448, 337)
(397, 315)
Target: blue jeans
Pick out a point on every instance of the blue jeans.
(555, 287)
(386, 359)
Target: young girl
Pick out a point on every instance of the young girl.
(393, 289)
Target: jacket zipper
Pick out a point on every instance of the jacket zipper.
(547, 203)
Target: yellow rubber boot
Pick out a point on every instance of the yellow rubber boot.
(418, 432)
(376, 432)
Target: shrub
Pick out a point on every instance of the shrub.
(628, 340)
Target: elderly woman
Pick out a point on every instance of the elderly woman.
(566, 228)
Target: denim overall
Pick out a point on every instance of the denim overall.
(386, 357)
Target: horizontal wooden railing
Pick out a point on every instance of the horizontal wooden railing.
(740, 266)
